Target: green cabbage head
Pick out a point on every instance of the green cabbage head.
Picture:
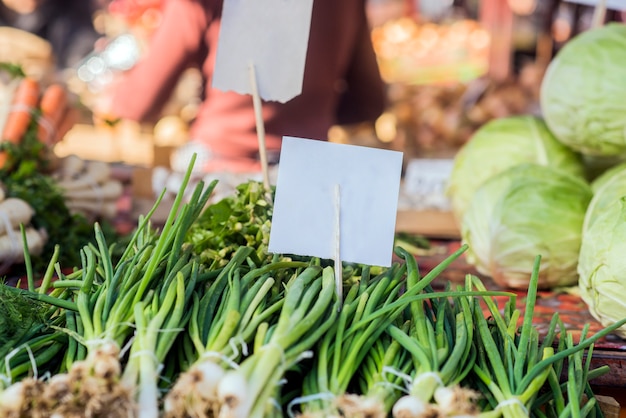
(583, 93)
(501, 144)
(602, 266)
(607, 188)
(526, 211)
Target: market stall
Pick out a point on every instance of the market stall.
(132, 291)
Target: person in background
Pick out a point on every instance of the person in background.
(66, 24)
(342, 85)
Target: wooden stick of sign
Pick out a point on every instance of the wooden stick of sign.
(260, 129)
(337, 256)
(599, 14)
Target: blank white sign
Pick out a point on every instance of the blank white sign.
(271, 35)
(305, 204)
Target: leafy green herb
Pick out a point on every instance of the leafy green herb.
(243, 219)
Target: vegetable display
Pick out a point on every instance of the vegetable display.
(501, 144)
(582, 92)
(157, 333)
(588, 121)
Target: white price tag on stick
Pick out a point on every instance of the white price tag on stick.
(312, 176)
(272, 36)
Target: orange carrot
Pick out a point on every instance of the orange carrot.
(53, 105)
(68, 120)
(25, 100)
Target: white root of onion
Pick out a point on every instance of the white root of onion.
(12, 399)
(195, 392)
(456, 400)
(19, 399)
(233, 396)
(410, 406)
(356, 406)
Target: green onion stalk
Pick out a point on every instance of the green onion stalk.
(308, 311)
(108, 301)
(513, 367)
(103, 304)
(340, 353)
(439, 339)
(574, 397)
(29, 343)
(224, 320)
(381, 378)
(506, 356)
(157, 324)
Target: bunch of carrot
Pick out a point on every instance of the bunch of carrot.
(26, 102)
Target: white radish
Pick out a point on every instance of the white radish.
(107, 209)
(111, 189)
(12, 246)
(71, 167)
(95, 172)
(13, 212)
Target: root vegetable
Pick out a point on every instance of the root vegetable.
(26, 98)
(95, 172)
(104, 209)
(12, 246)
(68, 120)
(53, 106)
(71, 166)
(112, 189)
(13, 212)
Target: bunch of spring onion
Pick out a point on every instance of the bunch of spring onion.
(380, 380)
(308, 310)
(340, 352)
(370, 308)
(105, 300)
(439, 339)
(223, 323)
(29, 346)
(514, 366)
